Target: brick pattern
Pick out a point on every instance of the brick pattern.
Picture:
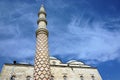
(42, 65)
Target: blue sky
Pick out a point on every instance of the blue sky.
(85, 30)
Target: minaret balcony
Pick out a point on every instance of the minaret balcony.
(42, 19)
(42, 12)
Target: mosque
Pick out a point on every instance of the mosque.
(46, 67)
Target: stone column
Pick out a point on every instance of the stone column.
(42, 65)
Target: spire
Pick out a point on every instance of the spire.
(42, 22)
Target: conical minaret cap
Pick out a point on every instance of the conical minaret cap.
(42, 10)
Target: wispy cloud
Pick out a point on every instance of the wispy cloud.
(17, 30)
(90, 40)
(89, 35)
(80, 35)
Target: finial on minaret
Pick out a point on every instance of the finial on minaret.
(42, 10)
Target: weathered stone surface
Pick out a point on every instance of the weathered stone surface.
(58, 70)
(42, 63)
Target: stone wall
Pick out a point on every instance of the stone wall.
(59, 71)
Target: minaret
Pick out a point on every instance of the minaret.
(42, 65)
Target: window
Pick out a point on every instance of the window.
(93, 77)
(12, 77)
(28, 78)
(81, 77)
(52, 77)
(65, 77)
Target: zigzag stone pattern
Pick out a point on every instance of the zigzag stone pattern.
(42, 68)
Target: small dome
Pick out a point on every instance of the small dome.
(71, 61)
(74, 62)
(54, 60)
(51, 57)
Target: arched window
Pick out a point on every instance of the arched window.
(65, 77)
(93, 77)
(12, 77)
(52, 77)
(28, 78)
(81, 77)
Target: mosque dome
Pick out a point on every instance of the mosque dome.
(75, 62)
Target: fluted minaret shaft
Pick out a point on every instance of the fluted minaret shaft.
(42, 65)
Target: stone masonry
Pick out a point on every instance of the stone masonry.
(42, 65)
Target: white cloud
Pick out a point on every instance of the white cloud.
(13, 19)
(89, 42)
(101, 45)
(82, 40)
(17, 48)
